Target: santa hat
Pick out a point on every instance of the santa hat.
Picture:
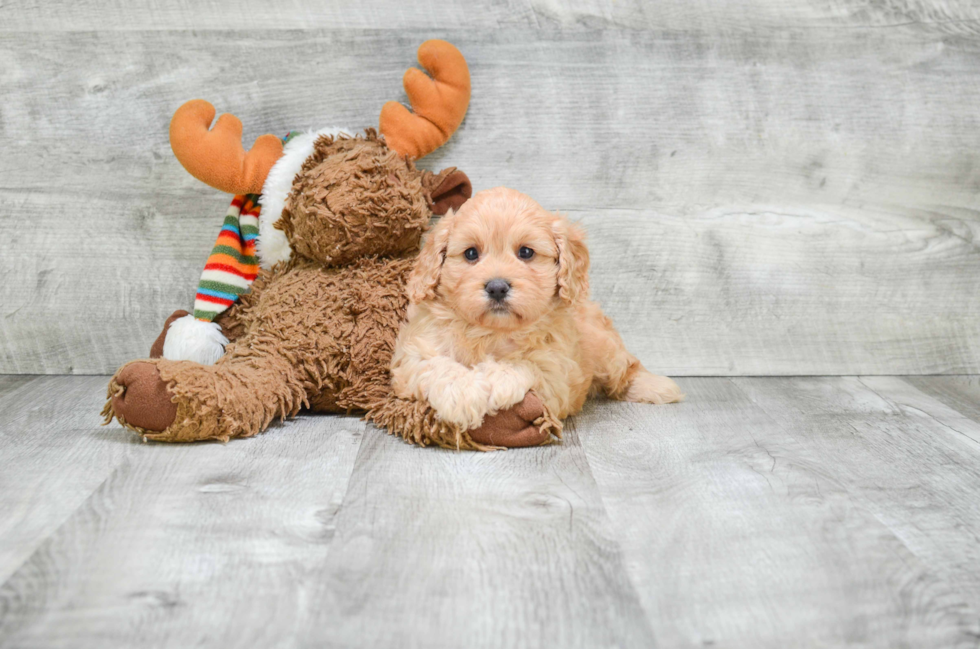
(229, 272)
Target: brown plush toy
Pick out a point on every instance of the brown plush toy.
(335, 231)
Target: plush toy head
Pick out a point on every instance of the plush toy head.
(355, 196)
(325, 196)
(327, 174)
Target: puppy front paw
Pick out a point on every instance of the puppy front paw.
(465, 401)
(650, 388)
(508, 384)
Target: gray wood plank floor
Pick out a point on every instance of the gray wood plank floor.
(762, 512)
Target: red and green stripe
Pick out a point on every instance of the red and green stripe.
(232, 265)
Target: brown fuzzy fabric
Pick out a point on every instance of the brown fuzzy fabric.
(230, 327)
(318, 332)
(447, 190)
(156, 349)
(355, 197)
(528, 423)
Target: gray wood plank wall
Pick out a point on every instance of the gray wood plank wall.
(769, 188)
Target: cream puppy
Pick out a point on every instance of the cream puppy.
(500, 306)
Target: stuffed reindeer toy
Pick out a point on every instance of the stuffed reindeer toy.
(300, 302)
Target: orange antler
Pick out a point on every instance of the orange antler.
(439, 103)
(216, 157)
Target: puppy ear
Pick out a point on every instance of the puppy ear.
(573, 261)
(424, 279)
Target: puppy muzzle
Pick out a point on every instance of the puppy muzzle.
(497, 289)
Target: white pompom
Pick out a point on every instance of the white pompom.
(190, 339)
(272, 246)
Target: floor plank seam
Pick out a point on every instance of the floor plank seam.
(56, 530)
(960, 434)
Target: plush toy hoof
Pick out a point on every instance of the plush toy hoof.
(156, 351)
(142, 399)
(516, 427)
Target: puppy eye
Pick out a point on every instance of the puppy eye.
(471, 254)
(525, 252)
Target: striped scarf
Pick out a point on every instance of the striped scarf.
(232, 266)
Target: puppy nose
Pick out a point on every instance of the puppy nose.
(497, 289)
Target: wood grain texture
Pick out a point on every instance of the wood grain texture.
(949, 16)
(264, 16)
(908, 461)
(962, 393)
(771, 201)
(285, 540)
(784, 512)
(53, 457)
(117, 543)
(441, 549)
(950, 415)
(737, 534)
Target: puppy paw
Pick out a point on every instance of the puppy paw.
(465, 401)
(508, 384)
(650, 388)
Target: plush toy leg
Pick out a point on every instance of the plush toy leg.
(139, 398)
(528, 423)
(142, 401)
(180, 401)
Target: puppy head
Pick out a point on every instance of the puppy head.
(501, 261)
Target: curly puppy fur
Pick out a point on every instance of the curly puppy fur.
(318, 331)
(471, 352)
